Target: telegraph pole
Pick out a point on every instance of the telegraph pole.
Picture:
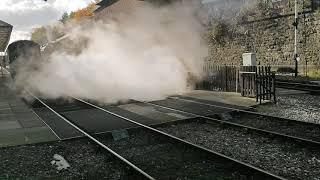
(296, 21)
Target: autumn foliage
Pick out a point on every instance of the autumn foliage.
(39, 35)
(85, 12)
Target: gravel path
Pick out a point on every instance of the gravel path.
(278, 157)
(85, 159)
(303, 107)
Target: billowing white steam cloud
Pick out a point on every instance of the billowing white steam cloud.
(147, 54)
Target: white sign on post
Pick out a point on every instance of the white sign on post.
(249, 59)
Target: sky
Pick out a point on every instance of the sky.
(25, 15)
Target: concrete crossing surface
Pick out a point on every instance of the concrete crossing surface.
(21, 124)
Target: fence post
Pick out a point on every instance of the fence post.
(237, 76)
(260, 84)
(274, 88)
(256, 84)
(242, 84)
(226, 78)
(270, 81)
(264, 82)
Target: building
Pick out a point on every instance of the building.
(112, 7)
(5, 33)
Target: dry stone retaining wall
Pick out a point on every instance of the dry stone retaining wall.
(272, 40)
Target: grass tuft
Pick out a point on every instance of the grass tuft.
(314, 75)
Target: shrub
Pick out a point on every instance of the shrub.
(285, 70)
(219, 31)
(314, 75)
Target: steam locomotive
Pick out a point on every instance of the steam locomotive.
(29, 55)
(22, 53)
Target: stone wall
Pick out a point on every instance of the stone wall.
(272, 40)
(5, 32)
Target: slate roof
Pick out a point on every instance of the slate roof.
(5, 32)
(103, 4)
(116, 5)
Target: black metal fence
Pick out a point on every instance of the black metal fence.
(258, 82)
(220, 78)
(250, 81)
(266, 81)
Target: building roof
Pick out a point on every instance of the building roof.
(5, 32)
(2, 23)
(103, 4)
(112, 7)
(116, 5)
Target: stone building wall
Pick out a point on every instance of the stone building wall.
(272, 40)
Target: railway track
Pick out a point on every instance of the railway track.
(158, 155)
(230, 141)
(312, 88)
(271, 151)
(139, 173)
(304, 133)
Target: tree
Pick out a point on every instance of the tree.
(85, 12)
(220, 31)
(64, 17)
(39, 35)
(71, 15)
(43, 35)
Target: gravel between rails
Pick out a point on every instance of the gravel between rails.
(87, 161)
(309, 131)
(303, 107)
(164, 159)
(281, 158)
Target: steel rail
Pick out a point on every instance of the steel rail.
(47, 125)
(312, 88)
(95, 140)
(184, 141)
(297, 139)
(297, 83)
(275, 118)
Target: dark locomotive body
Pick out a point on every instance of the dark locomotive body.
(24, 54)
